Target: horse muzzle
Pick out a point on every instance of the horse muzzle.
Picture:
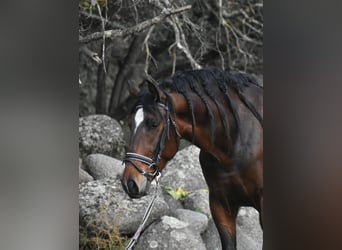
(135, 187)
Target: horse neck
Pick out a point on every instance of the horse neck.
(201, 138)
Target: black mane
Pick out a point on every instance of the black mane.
(209, 85)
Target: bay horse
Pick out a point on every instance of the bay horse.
(221, 113)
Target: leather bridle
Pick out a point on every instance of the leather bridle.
(153, 162)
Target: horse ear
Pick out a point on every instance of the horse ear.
(133, 89)
(155, 91)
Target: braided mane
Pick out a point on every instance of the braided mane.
(210, 85)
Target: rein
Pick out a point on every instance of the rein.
(136, 236)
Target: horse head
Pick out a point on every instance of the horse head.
(152, 143)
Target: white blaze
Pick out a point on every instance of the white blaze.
(139, 117)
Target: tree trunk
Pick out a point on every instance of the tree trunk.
(121, 78)
(101, 88)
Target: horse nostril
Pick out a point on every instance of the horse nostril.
(132, 187)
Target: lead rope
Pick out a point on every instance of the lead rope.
(136, 236)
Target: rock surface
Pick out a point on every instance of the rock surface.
(104, 203)
(173, 203)
(249, 232)
(102, 166)
(170, 233)
(197, 221)
(84, 176)
(80, 164)
(184, 171)
(198, 201)
(211, 236)
(100, 134)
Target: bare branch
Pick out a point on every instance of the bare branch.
(101, 88)
(93, 55)
(242, 35)
(180, 40)
(218, 34)
(103, 38)
(148, 53)
(137, 28)
(250, 26)
(111, 24)
(183, 48)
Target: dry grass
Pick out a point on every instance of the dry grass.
(98, 235)
(100, 238)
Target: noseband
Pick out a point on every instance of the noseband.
(153, 162)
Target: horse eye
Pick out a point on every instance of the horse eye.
(152, 123)
(155, 124)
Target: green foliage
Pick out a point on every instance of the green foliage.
(91, 4)
(176, 194)
(198, 210)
